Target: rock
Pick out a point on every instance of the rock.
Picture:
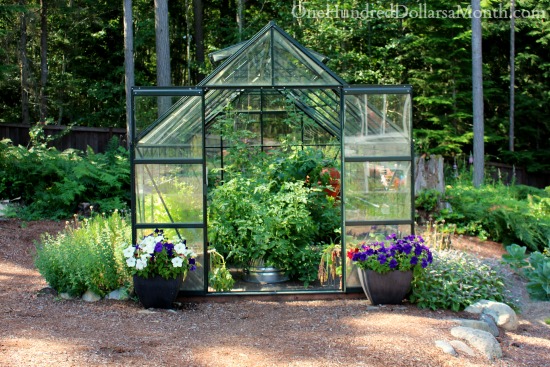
(120, 294)
(481, 340)
(147, 311)
(90, 296)
(47, 292)
(503, 314)
(480, 325)
(445, 347)
(66, 295)
(491, 323)
(462, 347)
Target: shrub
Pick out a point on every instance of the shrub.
(51, 183)
(455, 280)
(535, 267)
(507, 214)
(86, 255)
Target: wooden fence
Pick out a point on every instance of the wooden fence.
(77, 138)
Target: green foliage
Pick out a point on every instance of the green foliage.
(86, 255)
(277, 207)
(455, 280)
(535, 267)
(507, 214)
(219, 277)
(52, 183)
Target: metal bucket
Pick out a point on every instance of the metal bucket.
(259, 273)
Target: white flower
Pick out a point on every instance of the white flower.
(177, 262)
(158, 239)
(180, 248)
(140, 264)
(144, 257)
(150, 247)
(129, 251)
(131, 262)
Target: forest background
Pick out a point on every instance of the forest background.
(62, 62)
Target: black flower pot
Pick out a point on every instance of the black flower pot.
(157, 292)
(389, 288)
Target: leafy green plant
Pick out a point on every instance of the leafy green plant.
(507, 214)
(535, 267)
(455, 280)
(219, 277)
(86, 255)
(51, 184)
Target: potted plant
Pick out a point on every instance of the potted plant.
(158, 267)
(386, 269)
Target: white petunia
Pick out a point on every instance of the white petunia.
(177, 262)
(158, 239)
(129, 251)
(144, 257)
(180, 248)
(150, 248)
(140, 264)
(131, 262)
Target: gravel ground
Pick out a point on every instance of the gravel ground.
(41, 330)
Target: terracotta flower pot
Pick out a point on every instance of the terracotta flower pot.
(389, 288)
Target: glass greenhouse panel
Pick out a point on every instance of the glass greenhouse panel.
(251, 67)
(169, 193)
(194, 237)
(357, 235)
(377, 125)
(378, 191)
(176, 134)
(293, 66)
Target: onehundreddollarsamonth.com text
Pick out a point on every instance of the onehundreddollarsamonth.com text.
(400, 11)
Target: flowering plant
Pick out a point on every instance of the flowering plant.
(408, 253)
(154, 255)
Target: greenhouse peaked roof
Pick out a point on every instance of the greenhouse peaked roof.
(272, 58)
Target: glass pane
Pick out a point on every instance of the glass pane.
(252, 67)
(378, 191)
(356, 235)
(377, 125)
(169, 193)
(294, 67)
(176, 134)
(194, 280)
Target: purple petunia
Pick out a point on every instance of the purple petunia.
(158, 247)
(404, 254)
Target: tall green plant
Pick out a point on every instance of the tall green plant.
(86, 255)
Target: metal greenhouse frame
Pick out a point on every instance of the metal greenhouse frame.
(172, 149)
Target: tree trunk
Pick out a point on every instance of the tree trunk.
(240, 19)
(198, 11)
(512, 73)
(477, 94)
(43, 59)
(163, 52)
(24, 67)
(128, 64)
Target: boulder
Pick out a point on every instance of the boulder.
(462, 347)
(478, 324)
(482, 341)
(445, 347)
(504, 315)
(90, 296)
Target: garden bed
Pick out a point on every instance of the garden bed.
(38, 329)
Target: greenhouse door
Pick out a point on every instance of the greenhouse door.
(378, 185)
(168, 170)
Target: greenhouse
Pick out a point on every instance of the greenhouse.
(271, 168)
